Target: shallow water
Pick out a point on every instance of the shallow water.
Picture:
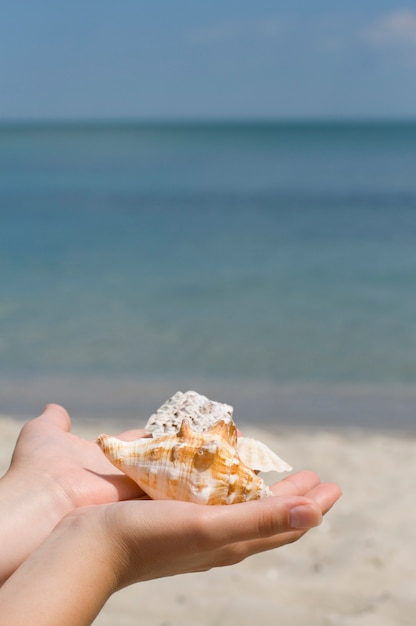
(269, 255)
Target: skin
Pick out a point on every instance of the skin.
(100, 534)
(52, 473)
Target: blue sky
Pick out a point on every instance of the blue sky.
(211, 58)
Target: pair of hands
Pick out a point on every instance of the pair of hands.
(55, 475)
(74, 529)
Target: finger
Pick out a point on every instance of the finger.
(325, 495)
(261, 519)
(132, 435)
(126, 488)
(296, 484)
(236, 552)
(56, 415)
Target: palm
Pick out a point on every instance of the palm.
(171, 537)
(77, 466)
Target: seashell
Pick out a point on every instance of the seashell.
(194, 454)
(204, 468)
(202, 413)
(259, 457)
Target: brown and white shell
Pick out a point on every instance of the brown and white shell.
(208, 467)
(202, 414)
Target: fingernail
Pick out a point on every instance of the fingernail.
(303, 516)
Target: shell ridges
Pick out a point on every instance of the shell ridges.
(194, 457)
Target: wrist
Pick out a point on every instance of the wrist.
(30, 508)
(74, 564)
(123, 530)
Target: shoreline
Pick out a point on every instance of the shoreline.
(298, 405)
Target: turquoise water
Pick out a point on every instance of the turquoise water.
(277, 254)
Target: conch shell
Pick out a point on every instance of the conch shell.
(212, 466)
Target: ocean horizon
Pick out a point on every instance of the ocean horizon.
(275, 261)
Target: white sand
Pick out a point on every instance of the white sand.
(358, 568)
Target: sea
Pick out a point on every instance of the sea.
(271, 265)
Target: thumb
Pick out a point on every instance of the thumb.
(264, 518)
(56, 415)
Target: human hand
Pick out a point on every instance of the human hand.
(152, 539)
(117, 544)
(75, 466)
(53, 472)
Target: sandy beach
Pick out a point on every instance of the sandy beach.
(357, 569)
